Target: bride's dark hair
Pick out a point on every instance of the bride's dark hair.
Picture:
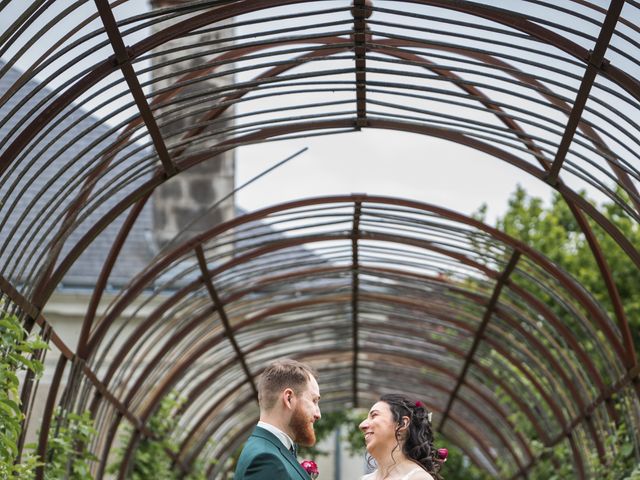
(418, 440)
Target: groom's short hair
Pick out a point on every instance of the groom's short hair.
(281, 374)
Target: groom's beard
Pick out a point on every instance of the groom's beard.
(302, 429)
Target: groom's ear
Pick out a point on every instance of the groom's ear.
(287, 397)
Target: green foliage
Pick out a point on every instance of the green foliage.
(620, 461)
(152, 458)
(67, 454)
(16, 355)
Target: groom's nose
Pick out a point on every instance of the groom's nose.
(363, 425)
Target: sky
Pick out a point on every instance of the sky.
(371, 161)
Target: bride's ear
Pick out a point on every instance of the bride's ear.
(404, 423)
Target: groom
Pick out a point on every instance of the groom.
(288, 395)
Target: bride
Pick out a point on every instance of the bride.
(397, 433)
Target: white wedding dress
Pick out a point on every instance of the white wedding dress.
(372, 475)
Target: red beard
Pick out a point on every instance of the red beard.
(302, 429)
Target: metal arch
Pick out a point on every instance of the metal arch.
(624, 347)
(145, 326)
(179, 249)
(617, 304)
(565, 191)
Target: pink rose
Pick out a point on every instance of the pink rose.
(442, 454)
(310, 467)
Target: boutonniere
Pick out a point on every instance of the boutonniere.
(310, 467)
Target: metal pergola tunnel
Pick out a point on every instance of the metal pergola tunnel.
(105, 107)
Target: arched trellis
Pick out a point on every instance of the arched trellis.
(45, 253)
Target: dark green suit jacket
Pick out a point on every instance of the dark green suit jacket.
(264, 457)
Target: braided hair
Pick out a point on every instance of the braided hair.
(418, 442)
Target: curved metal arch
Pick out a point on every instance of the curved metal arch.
(612, 284)
(306, 239)
(626, 347)
(162, 263)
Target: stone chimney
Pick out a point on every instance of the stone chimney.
(181, 206)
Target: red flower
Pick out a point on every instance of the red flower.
(442, 454)
(310, 467)
(419, 404)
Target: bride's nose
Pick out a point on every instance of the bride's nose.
(364, 425)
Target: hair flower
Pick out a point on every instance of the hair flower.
(310, 467)
(442, 454)
(419, 404)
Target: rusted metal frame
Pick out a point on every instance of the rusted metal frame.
(504, 315)
(69, 355)
(497, 346)
(610, 284)
(73, 211)
(491, 306)
(545, 35)
(162, 308)
(219, 307)
(18, 27)
(612, 230)
(33, 313)
(586, 328)
(585, 360)
(557, 368)
(360, 12)
(227, 57)
(224, 12)
(102, 280)
(41, 63)
(595, 63)
(43, 436)
(481, 56)
(492, 426)
(482, 130)
(373, 47)
(284, 308)
(144, 326)
(229, 100)
(53, 109)
(148, 355)
(43, 231)
(355, 297)
(140, 427)
(123, 60)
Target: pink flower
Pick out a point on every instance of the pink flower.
(419, 404)
(442, 454)
(310, 467)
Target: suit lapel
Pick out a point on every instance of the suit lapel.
(285, 452)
